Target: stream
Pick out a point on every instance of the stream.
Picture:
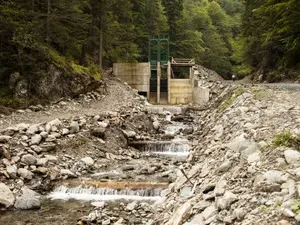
(141, 180)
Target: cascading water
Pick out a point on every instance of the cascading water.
(104, 194)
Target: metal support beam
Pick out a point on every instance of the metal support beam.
(158, 82)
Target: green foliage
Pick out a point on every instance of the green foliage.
(286, 139)
(296, 207)
(271, 30)
(229, 101)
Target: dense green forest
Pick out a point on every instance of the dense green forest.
(85, 36)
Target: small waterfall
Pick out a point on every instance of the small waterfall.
(103, 194)
(174, 149)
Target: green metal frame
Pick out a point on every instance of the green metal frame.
(159, 51)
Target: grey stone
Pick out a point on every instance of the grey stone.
(36, 148)
(292, 156)
(4, 138)
(220, 188)
(227, 200)
(65, 131)
(103, 124)
(209, 212)
(74, 127)
(106, 222)
(288, 213)
(48, 147)
(131, 206)
(197, 220)
(67, 172)
(36, 139)
(28, 159)
(56, 122)
(252, 148)
(201, 205)
(156, 125)
(6, 196)
(26, 174)
(254, 158)
(28, 200)
(239, 214)
(42, 162)
(50, 138)
(44, 134)
(225, 166)
(98, 132)
(33, 129)
(12, 171)
(88, 161)
(51, 158)
(274, 176)
(186, 192)
(239, 144)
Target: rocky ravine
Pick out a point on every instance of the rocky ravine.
(245, 168)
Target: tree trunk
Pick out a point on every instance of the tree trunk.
(101, 49)
(48, 21)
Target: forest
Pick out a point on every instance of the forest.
(85, 36)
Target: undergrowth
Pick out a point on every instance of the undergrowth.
(286, 139)
(227, 103)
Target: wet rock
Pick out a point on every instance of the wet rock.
(28, 159)
(36, 139)
(28, 200)
(26, 174)
(98, 132)
(4, 138)
(292, 156)
(74, 127)
(6, 196)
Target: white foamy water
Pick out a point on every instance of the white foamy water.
(103, 194)
(172, 153)
(170, 149)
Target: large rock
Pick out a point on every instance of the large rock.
(28, 200)
(74, 127)
(197, 220)
(33, 129)
(4, 138)
(98, 132)
(6, 196)
(180, 214)
(239, 144)
(209, 212)
(251, 149)
(28, 159)
(57, 123)
(36, 139)
(26, 174)
(292, 156)
(12, 170)
(88, 161)
(227, 200)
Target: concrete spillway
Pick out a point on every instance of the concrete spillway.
(108, 191)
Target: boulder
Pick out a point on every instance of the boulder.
(36, 139)
(239, 144)
(28, 159)
(4, 138)
(56, 122)
(28, 200)
(74, 127)
(12, 171)
(26, 174)
(226, 201)
(180, 214)
(98, 132)
(88, 161)
(292, 156)
(6, 196)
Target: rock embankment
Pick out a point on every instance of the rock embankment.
(245, 168)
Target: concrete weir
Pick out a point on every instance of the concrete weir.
(171, 148)
(108, 191)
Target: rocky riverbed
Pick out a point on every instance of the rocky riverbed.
(234, 161)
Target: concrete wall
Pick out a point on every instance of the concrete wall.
(201, 95)
(180, 91)
(137, 75)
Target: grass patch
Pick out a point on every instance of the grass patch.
(261, 94)
(286, 139)
(296, 207)
(227, 103)
(72, 67)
